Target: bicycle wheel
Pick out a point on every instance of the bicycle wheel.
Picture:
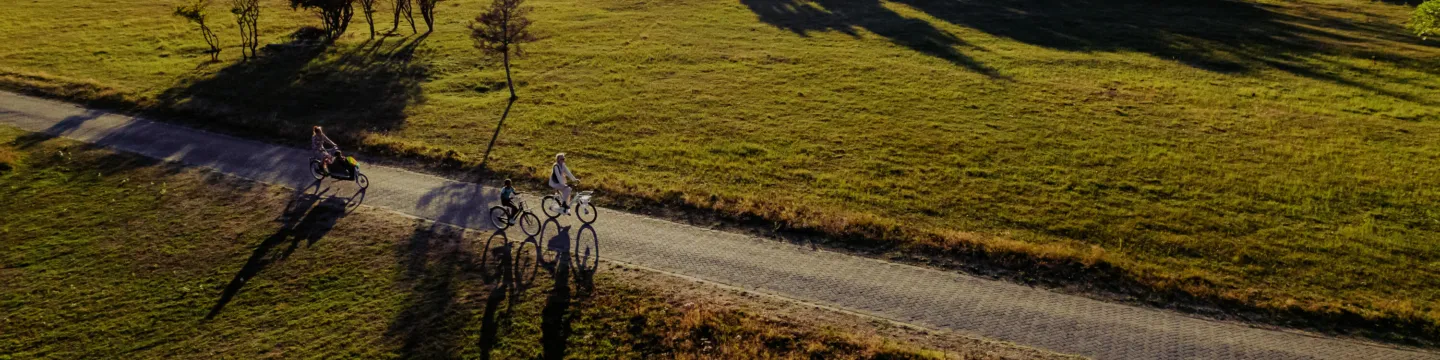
(586, 213)
(315, 169)
(527, 255)
(530, 224)
(551, 206)
(586, 251)
(362, 180)
(554, 241)
(499, 218)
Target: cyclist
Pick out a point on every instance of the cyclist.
(507, 194)
(318, 140)
(558, 174)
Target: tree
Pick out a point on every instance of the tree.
(368, 7)
(195, 13)
(427, 11)
(247, 15)
(404, 7)
(334, 15)
(1426, 20)
(498, 32)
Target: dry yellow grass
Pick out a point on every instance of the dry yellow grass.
(1271, 155)
(115, 255)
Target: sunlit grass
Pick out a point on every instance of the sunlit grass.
(108, 255)
(1280, 154)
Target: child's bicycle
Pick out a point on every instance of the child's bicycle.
(580, 203)
(501, 217)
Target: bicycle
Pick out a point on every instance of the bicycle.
(351, 171)
(580, 201)
(501, 217)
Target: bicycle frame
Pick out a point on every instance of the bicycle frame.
(521, 205)
(577, 197)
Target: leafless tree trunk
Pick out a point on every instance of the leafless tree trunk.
(368, 6)
(195, 12)
(404, 7)
(247, 16)
(427, 11)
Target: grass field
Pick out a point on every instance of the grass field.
(108, 255)
(1276, 154)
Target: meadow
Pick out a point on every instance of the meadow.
(1278, 155)
(114, 255)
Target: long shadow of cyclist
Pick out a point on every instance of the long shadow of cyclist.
(308, 217)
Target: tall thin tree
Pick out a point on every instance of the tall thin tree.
(247, 16)
(368, 7)
(499, 32)
(195, 13)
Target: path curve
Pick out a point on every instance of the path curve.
(925, 297)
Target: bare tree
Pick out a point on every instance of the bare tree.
(195, 13)
(247, 16)
(368, 7)
(427, 11)
(499, 32)
(335, 15)
(403, 7)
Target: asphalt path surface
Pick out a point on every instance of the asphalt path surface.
(920, 296)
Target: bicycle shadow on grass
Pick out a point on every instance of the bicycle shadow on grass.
(572, 269)
(518, 269)
(308, 217)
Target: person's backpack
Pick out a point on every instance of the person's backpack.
(555, 174)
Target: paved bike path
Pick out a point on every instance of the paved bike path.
(926, 297)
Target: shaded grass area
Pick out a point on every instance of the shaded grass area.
(113, 255)
(1264, 155)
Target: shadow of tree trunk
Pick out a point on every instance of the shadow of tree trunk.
(486, 160)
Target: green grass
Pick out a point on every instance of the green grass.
(1273, 154)
(109, 255)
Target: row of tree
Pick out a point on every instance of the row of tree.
(498, 31)
(335, 16)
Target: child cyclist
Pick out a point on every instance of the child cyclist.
(507, 196)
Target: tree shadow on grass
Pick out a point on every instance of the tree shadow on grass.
(802, 17)
(304, 82)
(1225, 36)
(308, 217)
(457, 203)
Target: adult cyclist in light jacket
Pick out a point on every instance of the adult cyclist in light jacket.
(559, 173)
(318, 140)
